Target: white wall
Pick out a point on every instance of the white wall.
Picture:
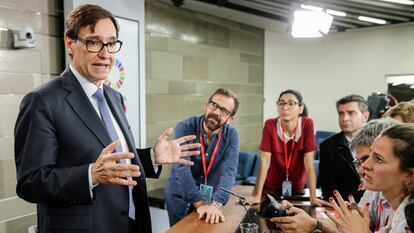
(325, 69)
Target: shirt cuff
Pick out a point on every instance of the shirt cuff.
(152, 154)
(91, 185)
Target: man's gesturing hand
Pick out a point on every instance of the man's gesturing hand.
(173, 151)
(105, 170)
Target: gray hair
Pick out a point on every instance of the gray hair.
(365, 136)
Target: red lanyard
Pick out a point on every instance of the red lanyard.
(288, 160)
(213, 155)
(381, 207)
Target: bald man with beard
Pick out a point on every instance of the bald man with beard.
(198, 187)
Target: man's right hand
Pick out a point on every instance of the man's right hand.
(211, 213)
(298, 222)
(105, 170)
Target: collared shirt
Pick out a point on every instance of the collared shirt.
(182, 186)
(398, 220)
(374, 200)
(272, 141)
(348, 139)
(90, 89)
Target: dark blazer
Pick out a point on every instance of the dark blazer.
(336, 170)
(57, 135)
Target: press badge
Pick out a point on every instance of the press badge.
(287, 188)
(206, 192)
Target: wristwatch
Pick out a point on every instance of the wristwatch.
(318, 228)
(216, 204)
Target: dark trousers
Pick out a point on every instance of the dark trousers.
(132, 226)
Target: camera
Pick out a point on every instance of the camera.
(271, 208)
(24, 38)
(379, 103)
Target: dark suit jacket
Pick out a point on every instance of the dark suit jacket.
(336, 170)
(57, 135)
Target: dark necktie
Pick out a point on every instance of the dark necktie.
(110, 128)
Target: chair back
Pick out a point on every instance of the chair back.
(320, 136)
(246, 164)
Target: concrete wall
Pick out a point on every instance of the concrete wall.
(21, 70)
(181, 75)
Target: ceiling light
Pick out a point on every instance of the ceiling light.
(372, 20)
(309, 24)
(337, 13)
(190, 38)
(159, 30)
(406, 2)
(412, 86)
(310, 7)
(396, 80)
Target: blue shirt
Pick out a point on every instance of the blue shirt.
(182, 186)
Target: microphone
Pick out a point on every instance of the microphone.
(242, 200)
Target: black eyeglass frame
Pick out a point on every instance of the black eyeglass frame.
(87, 44)
(358, 162)
(213, 105)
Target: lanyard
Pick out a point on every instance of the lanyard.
(288, 160)
(381, 208)
(213, 155)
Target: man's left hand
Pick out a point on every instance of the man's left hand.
(212, 214)
(171, 151)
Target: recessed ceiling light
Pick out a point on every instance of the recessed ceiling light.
(406, 2)
(372, 20)
(310, 7)
(337, 13)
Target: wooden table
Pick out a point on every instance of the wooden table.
(233, 212)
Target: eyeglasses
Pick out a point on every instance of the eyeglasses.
(214, 106)
(95, 46)
(358, 162)
(290, 104)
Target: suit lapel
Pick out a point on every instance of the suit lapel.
(115, 105)
(346, 153)
(82, 106)
(116, 108)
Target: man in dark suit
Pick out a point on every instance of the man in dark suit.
(74, 150)
(336, 169)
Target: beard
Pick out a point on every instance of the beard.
(212, 122)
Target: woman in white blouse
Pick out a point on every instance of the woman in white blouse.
(390, 169)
